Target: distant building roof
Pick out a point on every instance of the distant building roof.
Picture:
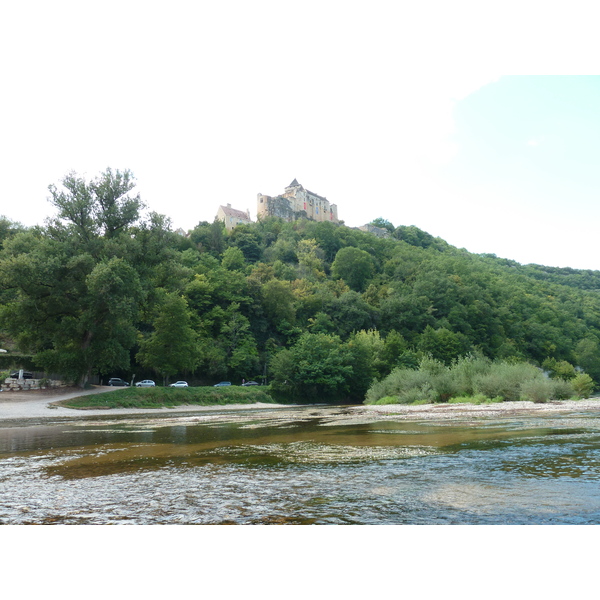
(296, 184)
(232, 212)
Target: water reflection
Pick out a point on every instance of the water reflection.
(301, 466)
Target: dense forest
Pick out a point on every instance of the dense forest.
(320, 311)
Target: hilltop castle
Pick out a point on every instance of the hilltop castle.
(296, 203)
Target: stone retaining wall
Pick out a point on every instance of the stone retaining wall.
(12, 384)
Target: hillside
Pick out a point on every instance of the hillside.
(314, 308)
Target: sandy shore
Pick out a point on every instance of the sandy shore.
(36, 404)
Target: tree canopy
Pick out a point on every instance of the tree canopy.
(320, 310)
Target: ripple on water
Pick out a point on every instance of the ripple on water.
(315, 453)
(542, 471)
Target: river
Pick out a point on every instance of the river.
(305, 465)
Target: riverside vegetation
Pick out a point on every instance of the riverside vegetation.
(320, 311)
(165, 397)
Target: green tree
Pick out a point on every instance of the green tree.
(102, 206)
(583, 385)
(443, 344)
(236, 339)
(383, 224)
(310, 260)
(315, 369)
(354, 266)
(587, 354)
(75, 292)
(233, 259)
(172, 347)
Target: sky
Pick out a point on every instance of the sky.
(476, 122)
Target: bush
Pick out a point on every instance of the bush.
(583, 385)
(505, 380)
(398, 381)
(473, 377)
(423, 395)
(536, 390)
(561, 389)
(387, 400)
(466, 369)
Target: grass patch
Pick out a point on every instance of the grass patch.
(168, 397)
(475, 399)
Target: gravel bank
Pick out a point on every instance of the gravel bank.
(443, 412)
(36, 404)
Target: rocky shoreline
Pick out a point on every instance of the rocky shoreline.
(443, 412)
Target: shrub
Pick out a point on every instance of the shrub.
(561, 389)
(386, 400)
(443, 386)
(583, 385)
(536, 390)
(398, 381)
(423, 395)
(466, 369)
(505, 380)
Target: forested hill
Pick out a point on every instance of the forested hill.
(315, 308)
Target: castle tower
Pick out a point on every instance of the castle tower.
(297, 202)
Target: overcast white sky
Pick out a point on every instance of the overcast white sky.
(402, 110)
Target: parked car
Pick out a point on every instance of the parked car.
(26, 375)
(249, 383)
(145, 383)
(117, 381)
(222, 384)
(179, 384)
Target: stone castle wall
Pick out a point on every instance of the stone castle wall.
(296, 203)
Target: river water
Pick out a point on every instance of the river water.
(309, 465)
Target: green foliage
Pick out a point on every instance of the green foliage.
(469, 379)
(354, 266)
(562, 389)
(315, 369)
(505, 380)
(583, 385)
(172, 346)
(383, 224)
(536, 390)
(559, 369)
(233, 259)
(99, 284)
(443, 344)
(102, 206)
(159, 397)
(476, 399)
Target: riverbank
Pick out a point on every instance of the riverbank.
(35, 404)
(445, 412)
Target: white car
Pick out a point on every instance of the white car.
(145, 383)
(179, 384)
